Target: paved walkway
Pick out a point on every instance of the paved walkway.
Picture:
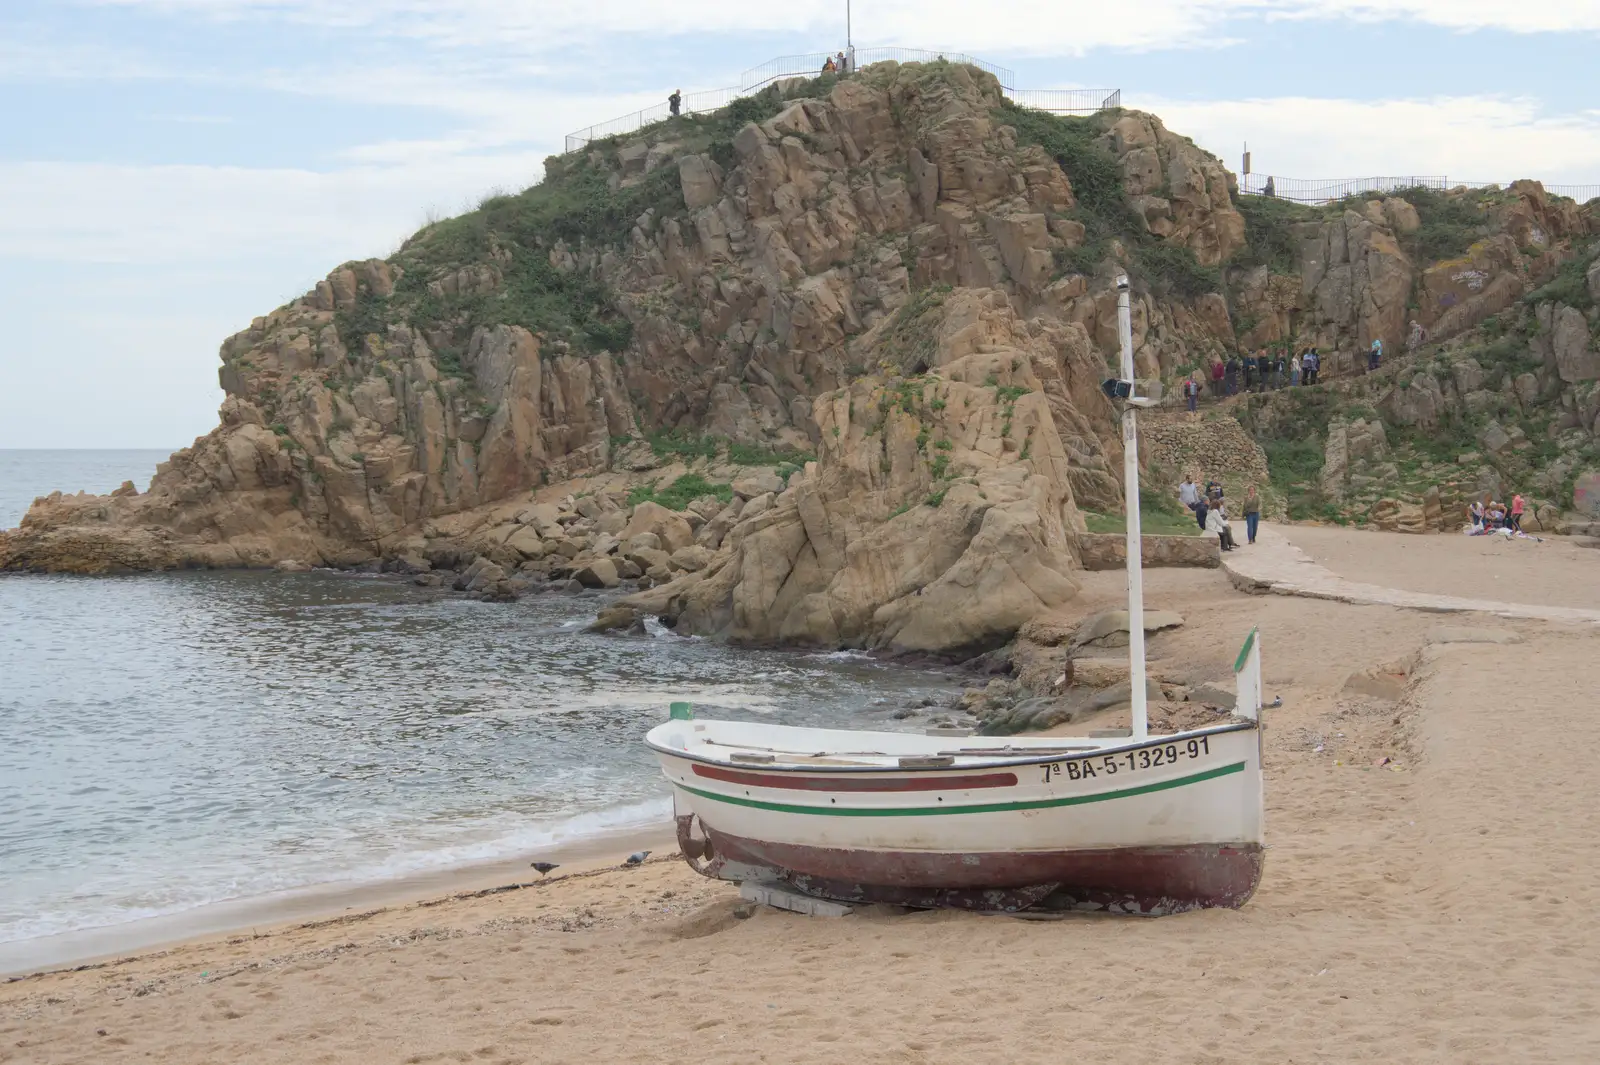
(1275, 565)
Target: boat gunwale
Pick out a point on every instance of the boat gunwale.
(1023, 760)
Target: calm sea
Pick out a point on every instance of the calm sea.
(168, 742)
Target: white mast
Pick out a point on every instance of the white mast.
(1130, 491)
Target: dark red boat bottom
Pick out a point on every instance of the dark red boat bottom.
(1134, 880)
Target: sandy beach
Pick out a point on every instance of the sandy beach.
(1437, 907)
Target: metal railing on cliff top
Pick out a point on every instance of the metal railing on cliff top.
(1331, 190)
(1063, 101)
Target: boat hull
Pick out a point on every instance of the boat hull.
(1153, 881)
(1127, 830)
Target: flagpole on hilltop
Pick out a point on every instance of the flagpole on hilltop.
(849, 43)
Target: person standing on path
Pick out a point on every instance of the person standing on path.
(1191, 393)
(1216, 379)
(1252, 513)
(1419, 336)
(1189, 495)
(675, 101)
(1231, 376)
(1294, 371)
(1249, 372)
(1375, 354)
(1310, 365)
(1517, 507)
(1188, 492)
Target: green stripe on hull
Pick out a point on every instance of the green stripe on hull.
(987, 808)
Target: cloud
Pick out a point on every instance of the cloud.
(1020, 27)
(161, 214)
(1471, 138)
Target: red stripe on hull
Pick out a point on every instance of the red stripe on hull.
(843, 782)
(1145, 880)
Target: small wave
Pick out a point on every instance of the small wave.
(263, 883)
(842, 656)
(656, 628)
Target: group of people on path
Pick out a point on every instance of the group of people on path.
(1262, 371)
(835, 64)
(1256, 373)
(1210, 509)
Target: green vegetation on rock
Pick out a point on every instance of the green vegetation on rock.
(1103, 208)
(680, 493)
(1570, 285)
(909, 341)
(1095, 173)
(1269, 232)
(517, 234)
(1450, 224)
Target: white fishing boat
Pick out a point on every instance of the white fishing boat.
(1131, 822)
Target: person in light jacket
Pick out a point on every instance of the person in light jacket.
(1217, 522)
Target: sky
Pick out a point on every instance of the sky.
(171, 169)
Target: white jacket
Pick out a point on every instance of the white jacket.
(1215, 522)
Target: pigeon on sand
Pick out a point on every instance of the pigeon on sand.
(544, 868)
(637, 858)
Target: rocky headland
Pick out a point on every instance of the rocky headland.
(823, 369)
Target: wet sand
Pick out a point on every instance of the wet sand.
(1436, 908)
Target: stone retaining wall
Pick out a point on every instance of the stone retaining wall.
(1109, 551)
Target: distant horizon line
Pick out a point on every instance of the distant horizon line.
(120, 448)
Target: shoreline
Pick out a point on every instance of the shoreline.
(264, 915)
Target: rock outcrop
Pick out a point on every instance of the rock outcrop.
(899, 274)
(940, 515)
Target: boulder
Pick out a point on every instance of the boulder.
(1212, 695)
(1575, 356)
(293, 565)
(713, 531)
(1109, 628)
(669, 527)
(485, 577)
(755, 483)
(691, 558)
(525, 542)
(701, 180)
(616, 617)
(1092, 672)
(1392, 515)
(755, 506)
(1493, 438)
(600, 573)
(648, 541)
(647, 558)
